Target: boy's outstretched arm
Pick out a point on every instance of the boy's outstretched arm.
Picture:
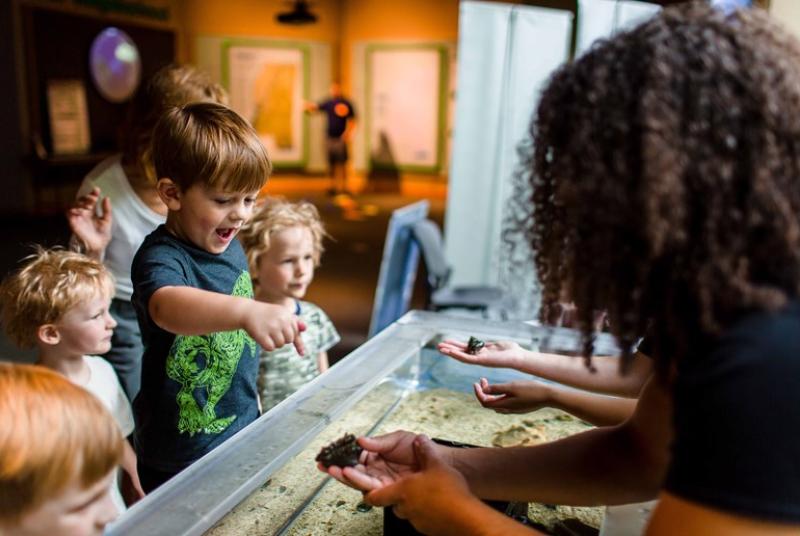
(192, 311)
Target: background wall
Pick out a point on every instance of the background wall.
(207, 25)
(788, 13)
(13, 176)
(337, 40)
(256, 17)
(19, 170)
(409, 20)
(367, 22)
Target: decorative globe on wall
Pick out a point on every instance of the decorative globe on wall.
(115, 65)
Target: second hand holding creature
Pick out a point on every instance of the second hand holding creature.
(414, 476)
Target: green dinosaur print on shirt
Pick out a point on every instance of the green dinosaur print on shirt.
(220, 353)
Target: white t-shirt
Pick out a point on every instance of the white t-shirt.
(133, 220)
(104, 384)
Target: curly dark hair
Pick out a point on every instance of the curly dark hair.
(663, 180)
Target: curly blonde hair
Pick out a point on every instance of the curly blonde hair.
(51, 282)
(275, 215)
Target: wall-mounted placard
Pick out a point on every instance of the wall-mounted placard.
(406, 106)
(268, 84)
(69, 116)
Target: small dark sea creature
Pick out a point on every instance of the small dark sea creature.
(363, 507)
(344, 452)
(474, 345)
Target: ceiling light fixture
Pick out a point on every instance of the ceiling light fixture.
(300, 14)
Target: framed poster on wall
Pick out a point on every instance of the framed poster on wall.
(69, 117)
(268, 85)
(406, 100)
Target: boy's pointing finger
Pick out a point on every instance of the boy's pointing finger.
(298, 344)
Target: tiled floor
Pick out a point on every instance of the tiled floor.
(344, 285)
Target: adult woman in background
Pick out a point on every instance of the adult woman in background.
(127, 182)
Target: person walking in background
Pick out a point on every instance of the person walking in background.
(341, 122)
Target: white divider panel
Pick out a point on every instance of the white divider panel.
(506, 52)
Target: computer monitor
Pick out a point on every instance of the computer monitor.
(398, 267)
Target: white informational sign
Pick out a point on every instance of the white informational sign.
(404, 106)
(266, 87)
(69, 116)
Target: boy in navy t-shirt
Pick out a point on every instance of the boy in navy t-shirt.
(193, 293)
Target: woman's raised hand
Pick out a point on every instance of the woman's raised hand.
(91, 228)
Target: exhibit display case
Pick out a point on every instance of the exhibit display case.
(264, 480)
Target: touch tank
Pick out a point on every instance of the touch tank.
(264, 479)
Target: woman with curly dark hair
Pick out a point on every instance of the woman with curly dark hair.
(665, 189)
